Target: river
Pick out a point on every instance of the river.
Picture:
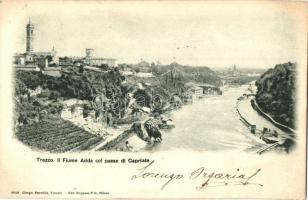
(211, 124)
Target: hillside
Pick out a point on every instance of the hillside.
(184, 73)
(276, 93)
(110, 85)
(189, 73)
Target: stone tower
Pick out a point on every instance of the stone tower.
(89, 53)
(29, 43)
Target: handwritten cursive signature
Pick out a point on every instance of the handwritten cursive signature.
(156, 175)
(212, 179)
(218, 179)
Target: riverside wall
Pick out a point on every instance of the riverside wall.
(267, 116)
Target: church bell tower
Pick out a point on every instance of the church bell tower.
(29, 43)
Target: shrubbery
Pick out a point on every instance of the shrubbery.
(31, 79)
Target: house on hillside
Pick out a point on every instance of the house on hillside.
(197, 92)
(98, 61)
(52, 71)
(144, 75)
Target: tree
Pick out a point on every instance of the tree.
(31, 79)
(36, 103)
(104, 67)
(86, 110)
(20, 88)
(73, 109)
(55, 108)
(81, 69)
(137, 70)
(54, 95)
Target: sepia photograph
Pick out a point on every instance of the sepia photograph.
(78, 98)
(153, 83)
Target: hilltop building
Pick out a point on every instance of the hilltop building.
(89, 60)
(39, 61)
(98, 61)
(49, 63)
(29, 43)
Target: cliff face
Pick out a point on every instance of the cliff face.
(276, 93)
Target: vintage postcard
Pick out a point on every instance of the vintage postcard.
(153, 99)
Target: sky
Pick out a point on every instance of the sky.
(212, 34)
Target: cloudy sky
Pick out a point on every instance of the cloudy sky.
(198, 33)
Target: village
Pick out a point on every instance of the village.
(93, 103)
(136, 97)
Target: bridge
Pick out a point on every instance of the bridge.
(209, 89)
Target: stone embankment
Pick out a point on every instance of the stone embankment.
(267, 116)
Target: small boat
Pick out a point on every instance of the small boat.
(167, 124)
(270, 137)
(270, 140)
(164, 126)
(240, 98)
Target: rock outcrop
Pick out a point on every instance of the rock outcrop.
(276, 93)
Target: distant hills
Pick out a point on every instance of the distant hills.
(200, 74)
(277, 93)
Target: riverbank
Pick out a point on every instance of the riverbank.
(130, 141)
(209, 124)
(206, 124)
(279, 125)
(262, 128)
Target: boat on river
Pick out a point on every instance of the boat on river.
(267, 135)
(166, 126)
(166, 123)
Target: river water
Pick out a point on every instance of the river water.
(212, 124)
